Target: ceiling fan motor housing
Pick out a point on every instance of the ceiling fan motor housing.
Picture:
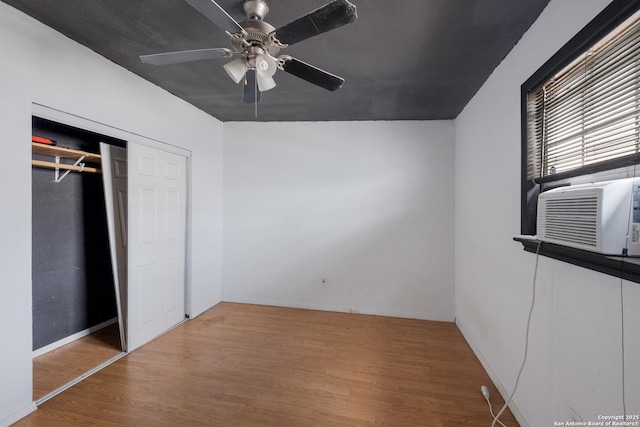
(257, 35)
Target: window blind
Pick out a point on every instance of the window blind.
(588, 114)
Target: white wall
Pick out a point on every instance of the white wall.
(575, 349)
(41, 66)
(368, 205)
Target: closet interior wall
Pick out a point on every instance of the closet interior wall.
(72, 278)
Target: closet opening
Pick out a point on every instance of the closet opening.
(75, 300)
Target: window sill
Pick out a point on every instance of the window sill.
(627, 268)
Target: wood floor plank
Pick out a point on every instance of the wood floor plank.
(62, 365)
(248, 365)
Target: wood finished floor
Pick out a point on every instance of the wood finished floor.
(56, 368)
(248, 365)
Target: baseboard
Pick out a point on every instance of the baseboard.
(18, 415)
(71, 338)
(342, 309)
(483, 361)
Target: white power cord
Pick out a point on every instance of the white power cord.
(526, 351)
(487, 396)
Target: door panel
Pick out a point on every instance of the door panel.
(172, 215)
(172, 271)
(122, 199)
(157, 183)
(147, 282)
(147, 214)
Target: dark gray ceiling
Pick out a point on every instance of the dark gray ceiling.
(402, 60)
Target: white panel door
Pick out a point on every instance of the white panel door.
(114, 178)
(157, 227)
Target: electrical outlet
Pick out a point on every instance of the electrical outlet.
(354, 310)
(573, 415)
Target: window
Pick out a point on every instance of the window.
(581, 114)
(588, 114)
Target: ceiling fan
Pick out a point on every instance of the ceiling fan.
(257, 43)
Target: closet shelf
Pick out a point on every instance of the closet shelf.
(80, 157)
(52, 150)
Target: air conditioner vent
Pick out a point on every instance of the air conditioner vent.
(572, 220)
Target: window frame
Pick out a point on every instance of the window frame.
(628, 268)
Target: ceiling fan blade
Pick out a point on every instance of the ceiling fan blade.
(217, 15)
(185, 56)
(328, 17)
(312, 74)
(250, 92)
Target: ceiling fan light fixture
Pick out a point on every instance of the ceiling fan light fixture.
(236, 69)
(265, 83)
(266, 65)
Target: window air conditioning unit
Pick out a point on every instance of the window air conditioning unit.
(603, 217)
